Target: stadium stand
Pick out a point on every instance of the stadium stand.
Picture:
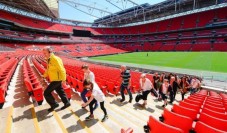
(22, 41)
(7, 69)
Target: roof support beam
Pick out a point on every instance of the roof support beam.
(81, 10)
(114, 4)
(76, 3)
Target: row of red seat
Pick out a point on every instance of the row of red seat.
(182, 22)
(39, 66)
(7, 69)
(107, 78)
(32, 83)
(196, 114)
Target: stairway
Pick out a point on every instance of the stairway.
(36, 119)
(21, 115)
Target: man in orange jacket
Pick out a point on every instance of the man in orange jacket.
(57, 75)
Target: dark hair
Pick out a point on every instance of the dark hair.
(85, 66)
(88, 82)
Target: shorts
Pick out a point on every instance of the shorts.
(145, 94)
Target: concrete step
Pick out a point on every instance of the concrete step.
(71, 121)
(6, 119)
(17, 92)
(23, 120)
(47, 122)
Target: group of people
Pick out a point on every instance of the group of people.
(169, 85)
(163, 85)
(56, 74)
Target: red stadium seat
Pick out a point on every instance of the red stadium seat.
(215, 114)
(176, 120)
(198, 103)
(80, 86)
(129, 130)
(213, 122)
(214, 104)
(157, 127)
(190, 106)
(201, 127)
(220, 110)
(191, 113)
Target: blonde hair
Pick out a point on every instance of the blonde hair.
(143, 75)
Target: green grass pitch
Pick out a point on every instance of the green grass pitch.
(208, 61)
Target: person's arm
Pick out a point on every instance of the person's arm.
(151, 84)
(88, 102)
(178, 86)
(140, 84)
(129, 82)
(92, 77)
(169, 89)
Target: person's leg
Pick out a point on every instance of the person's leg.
(91, 116)
(122, 93)
(103, 108)
(171, 97)
(91, 106)
(145, 94)
(83, 95)
(174, 94)
(130, 94)
(104, 111)
(195, 90)
(60, 91)
(191, 91)
(96, 105)
(182, 96)
(164, 97)
(48, 96)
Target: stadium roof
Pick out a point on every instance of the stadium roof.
(147, 12)
(47, 8)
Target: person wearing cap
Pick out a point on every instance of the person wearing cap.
(57, 76)
(146, 86)
(88, 75)
(125, 83)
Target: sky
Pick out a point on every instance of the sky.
(71, 13)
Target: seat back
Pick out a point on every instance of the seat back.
(191, 113)
(220, 110)
(157, 127)
(176, 120)
(215, 114)
(190, 106)
(213, 122)
(201, 127)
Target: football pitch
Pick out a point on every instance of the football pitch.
(208, 61)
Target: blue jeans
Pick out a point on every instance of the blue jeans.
(83, 97)
(192, 90)
(123, 94)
